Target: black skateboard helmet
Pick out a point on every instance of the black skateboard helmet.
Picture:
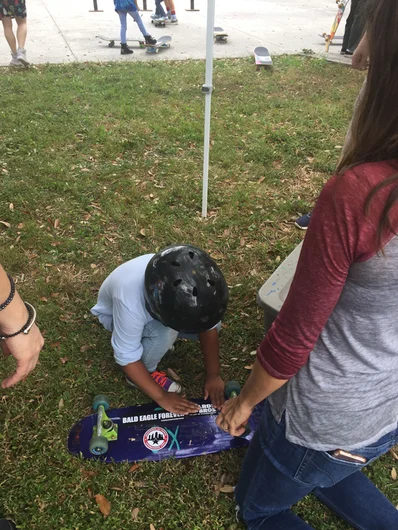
(185, 290)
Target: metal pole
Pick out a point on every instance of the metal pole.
(192, 6)
(96, 10)
(207, 88)
(145, 7)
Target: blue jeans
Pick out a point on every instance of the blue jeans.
(277, 473)
(157, 340)
(159, 8)
(123, 24)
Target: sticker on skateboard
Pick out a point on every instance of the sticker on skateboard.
(111, 42)
(220, 35)
(341, 5)
(162, 42)
(148, 432)
(262, 57)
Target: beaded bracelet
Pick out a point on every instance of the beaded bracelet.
(12, 293)
(26, 327)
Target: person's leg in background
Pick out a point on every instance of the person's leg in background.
(22, 30)
(124, 49)
(171, 11)
(160, 12)
(136, 16)
(10, 38)
(357, 28)
(348, 26)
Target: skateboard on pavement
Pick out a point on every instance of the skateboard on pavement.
(341, 5)
(148, 432)
(111, 42)
(162, 42)
(262, 57)
(220, 35)
(162, 22)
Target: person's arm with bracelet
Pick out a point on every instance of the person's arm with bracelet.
(19, 335)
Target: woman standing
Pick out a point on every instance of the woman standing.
(10, 9)
(330, 372)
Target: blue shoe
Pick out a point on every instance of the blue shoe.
(303, 221)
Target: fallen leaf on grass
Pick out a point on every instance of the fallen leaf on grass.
(103, 504)
(61, 404)
(86, 473)
(11, 206)
(56, 223)
(394, 473)
(55, 344)
(64, 360)
(134, 468)
(171, 373)
(394, 454)
(116, 488)
(248, 367)
(227, 489)
(254, 352)
(5, 224)
(142, 232)
(134, 514)
(84, 348)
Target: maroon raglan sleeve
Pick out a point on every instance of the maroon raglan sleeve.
(338, 235)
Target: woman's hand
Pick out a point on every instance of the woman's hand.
(25, 349)
(234, 417)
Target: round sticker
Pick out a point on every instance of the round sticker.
(155, 438)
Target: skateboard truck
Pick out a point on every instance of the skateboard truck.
(105, 431)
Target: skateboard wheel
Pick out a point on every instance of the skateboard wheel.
(232, 389)
(100, 400)
(98, 445)
(111, 44)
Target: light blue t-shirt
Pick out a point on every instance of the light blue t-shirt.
(121, 309)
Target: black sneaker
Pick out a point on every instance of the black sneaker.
(125, 50)
(343, 51)
(349, 53)
(150, 40)
(5, 524)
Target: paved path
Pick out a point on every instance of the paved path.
(61, 31)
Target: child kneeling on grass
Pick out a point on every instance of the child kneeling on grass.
(151, 300)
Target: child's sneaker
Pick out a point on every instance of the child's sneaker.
(125, 50)
(303, 221)
(21, 56)
(14, 62)
(150, 40)
(173, 20)
(162, 380)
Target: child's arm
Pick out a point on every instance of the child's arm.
(214, 385)
(170, 401)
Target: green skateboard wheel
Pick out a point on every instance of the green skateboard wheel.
(98, 445)
(232, 389)
(100, 400)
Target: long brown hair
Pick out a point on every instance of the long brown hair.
(375, 125)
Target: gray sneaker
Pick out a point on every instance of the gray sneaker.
(21, 56)
(14, 62)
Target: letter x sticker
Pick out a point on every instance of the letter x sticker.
(173, 437)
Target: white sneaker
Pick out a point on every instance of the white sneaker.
(14, 60)
(173, 20)
(21, 56)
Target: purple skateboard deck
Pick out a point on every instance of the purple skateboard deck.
(147, 432)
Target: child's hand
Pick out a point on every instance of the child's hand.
(214, 388)
(177, 404)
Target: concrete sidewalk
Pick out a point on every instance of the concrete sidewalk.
(65, 31)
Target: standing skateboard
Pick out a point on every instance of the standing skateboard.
(163, 42)
(341, 5)
(220, 35)
(148, 432)
(262, 57)
(111, 42)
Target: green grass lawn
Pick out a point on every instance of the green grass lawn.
(101, 163)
